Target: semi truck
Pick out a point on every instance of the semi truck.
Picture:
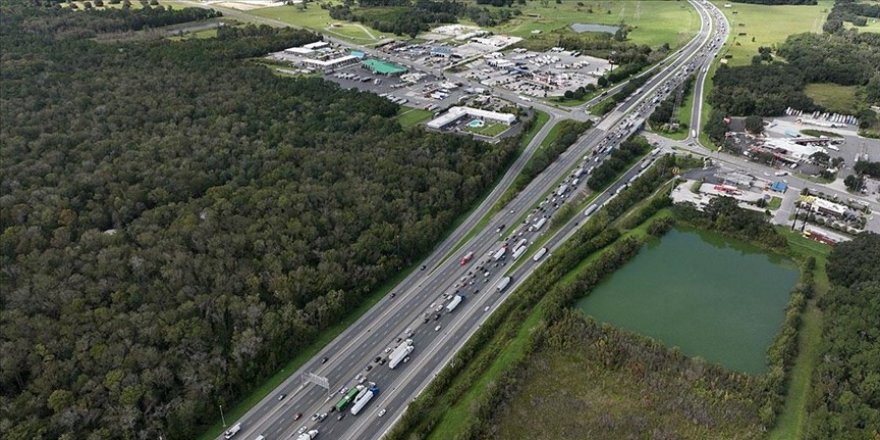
(467, 258)
(503, 284)
(400, 353)
(539, 254)
(308, 435)
(232, 431)
(578, 172)
(520, 244)
(456, 300)
(348, 397)
(499, 254)
(562, 189)
(519, 251)
(364, 400)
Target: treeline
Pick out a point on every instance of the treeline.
(845, 401)
(621, 158)
(723, 215)
(178, 222)
(850, 11)
(412, 18)
(51, 19)
(662, 116)
(482, 348)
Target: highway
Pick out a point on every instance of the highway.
(355, 350)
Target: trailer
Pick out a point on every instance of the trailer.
(467, 258)
(499, 254)
(541, 252)
(519, 251)
(538, 224)
(578, 172)
(400, 353)
(562, 189)
(364, 400)
(348, 398)
(456, 300)
(503, 284)
(520, 244)
(591, 209)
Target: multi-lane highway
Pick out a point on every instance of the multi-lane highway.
(437, 336)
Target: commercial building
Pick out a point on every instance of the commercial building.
(457, 113)
(822, 206)
(379, 67)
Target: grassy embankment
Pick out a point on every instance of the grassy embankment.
(792, 420)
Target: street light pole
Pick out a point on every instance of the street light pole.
(221, 416)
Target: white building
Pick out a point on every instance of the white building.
(456, 113)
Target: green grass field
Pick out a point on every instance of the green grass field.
(873, 26)
(491, 129)
(835, 98)
(317, 19)
(653, 22)
(768, 25)
(410, 117)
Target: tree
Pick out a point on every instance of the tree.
(854, 183)
(716, 128)
(754, 124)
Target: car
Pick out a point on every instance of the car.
(322, 416)
(301, 430)
(282, 396)
(340, 416)
(382, 412)
(393, 294)
(297, 416)
(369, 367)
(406, 359)
(426, 320)
(486, 309)
(382, 362)
(437, 329)
(362, 379)
(378, 358)
(324, 360)
(398, 339)
(500, 228)
(423, 267)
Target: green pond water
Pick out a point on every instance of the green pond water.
(715, 298)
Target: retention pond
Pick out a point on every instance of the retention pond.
(715, 298)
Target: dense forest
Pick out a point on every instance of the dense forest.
(846, 384)
(850, 11)
(177, 221)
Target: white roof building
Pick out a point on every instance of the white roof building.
(316, 45)
(456, 113)
(299, 50)
(332, 62)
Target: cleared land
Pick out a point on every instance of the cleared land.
(834, 97)
(319, 20)
(762, 25)
(653, 22)
(410, 117)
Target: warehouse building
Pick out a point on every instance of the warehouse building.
(379, 67)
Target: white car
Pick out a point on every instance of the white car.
(382, 412)
(437, 329)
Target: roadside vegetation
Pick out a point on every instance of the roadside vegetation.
(193, 235)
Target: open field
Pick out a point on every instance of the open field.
(768, 25)
(653, 22)
(491, 129)
(873, 26)
(317, 19)
(410, 117)
(834, 97)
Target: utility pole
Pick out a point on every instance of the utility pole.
(221, 416)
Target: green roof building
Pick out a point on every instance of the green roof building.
(384, 68)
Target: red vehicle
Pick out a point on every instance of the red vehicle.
(465, 259)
